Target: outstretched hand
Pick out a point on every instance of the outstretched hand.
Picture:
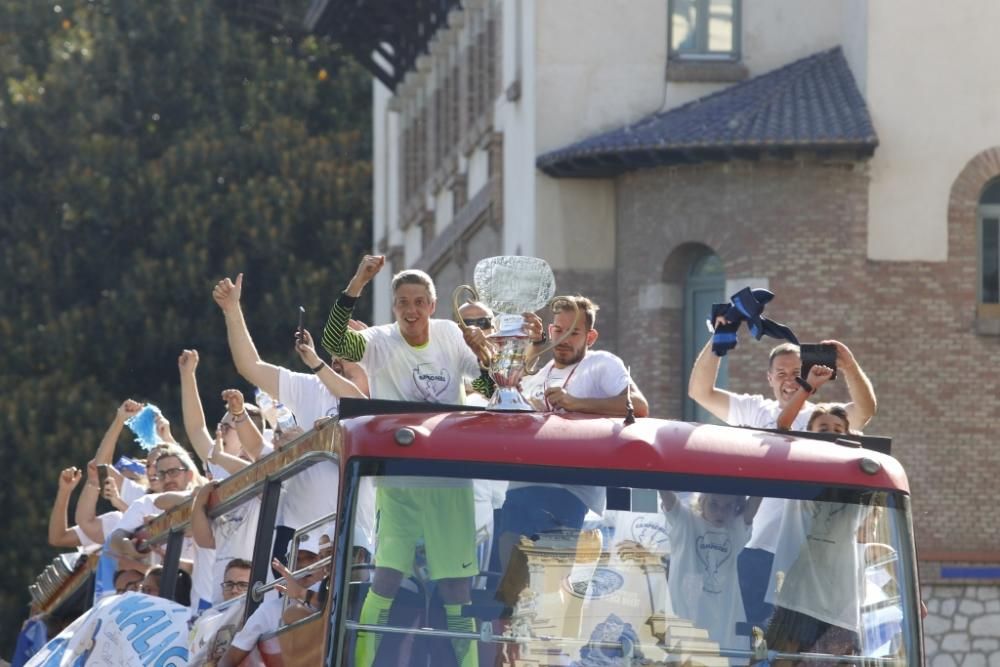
(127, 410)
(69, 478)
(845, 358)
(188, 361)
(234, 401)
(227, 293)
(307, 350)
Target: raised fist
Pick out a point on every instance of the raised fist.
(188, 361)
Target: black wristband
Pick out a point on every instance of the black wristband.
(318, 368)
(347, 301)
(541, 341)
(805, 385)
(307, 600)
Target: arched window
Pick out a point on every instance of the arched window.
(989, 248)
(705, 284)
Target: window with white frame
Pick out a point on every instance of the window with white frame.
(704, 29)
(989, 244)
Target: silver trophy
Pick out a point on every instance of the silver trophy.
(510, 285)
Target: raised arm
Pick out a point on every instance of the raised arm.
(338, 339)
(86, 507)
(225, 460)
(201, 525)
(191, 408)
(60, 534)
(863, 404)
(701, 386)
(818, 376)
(337, 384)
(106, 450)
(248, 362)
(250, 436)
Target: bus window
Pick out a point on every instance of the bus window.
(552, 576)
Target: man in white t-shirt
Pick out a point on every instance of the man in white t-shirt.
(416, 358)
(577, 379)
(313, 492)
(784, 377)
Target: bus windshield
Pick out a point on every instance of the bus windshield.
(543, 568)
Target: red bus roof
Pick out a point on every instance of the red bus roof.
(648, 445)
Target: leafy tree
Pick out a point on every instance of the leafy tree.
(148, 148)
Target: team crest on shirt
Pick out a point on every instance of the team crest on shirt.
(431, 381)
(713, 549)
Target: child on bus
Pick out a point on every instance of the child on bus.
(705, 540)
(818, 602)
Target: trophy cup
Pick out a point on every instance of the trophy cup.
(510, 285)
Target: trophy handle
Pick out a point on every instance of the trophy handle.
(455, 305)
(565, 334)
(485, 354)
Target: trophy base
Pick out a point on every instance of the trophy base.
(508, 399)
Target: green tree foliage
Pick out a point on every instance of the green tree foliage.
(147, 149)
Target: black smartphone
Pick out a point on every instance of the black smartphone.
(817, 354)
(299, 337)
(102, 474)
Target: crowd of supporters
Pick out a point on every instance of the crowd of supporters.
(398, 361)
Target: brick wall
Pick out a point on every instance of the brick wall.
(802, 225)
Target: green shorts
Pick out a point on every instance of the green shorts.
(445, 519)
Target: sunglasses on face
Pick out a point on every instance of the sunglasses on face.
(481, 322)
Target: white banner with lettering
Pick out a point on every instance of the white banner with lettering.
(122, 631)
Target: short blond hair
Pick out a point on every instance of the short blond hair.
(414, 277)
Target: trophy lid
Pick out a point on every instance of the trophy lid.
(514, 284)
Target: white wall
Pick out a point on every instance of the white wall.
(516, 119)
(385, 207)
(598, 65)
(934, 95)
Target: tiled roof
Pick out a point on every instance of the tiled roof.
(811, 103)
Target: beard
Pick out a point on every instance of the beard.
(574, 357)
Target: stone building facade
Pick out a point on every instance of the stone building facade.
(495, 129)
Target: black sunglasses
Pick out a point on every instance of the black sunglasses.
(481, 322)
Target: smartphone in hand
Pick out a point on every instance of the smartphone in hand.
(299, 333)
(102, 474)
(818, 355)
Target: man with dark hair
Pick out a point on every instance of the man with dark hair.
(128, 581)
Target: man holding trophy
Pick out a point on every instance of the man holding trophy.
(577, 379)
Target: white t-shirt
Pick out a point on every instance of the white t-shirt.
(758, 412)
(819, 555)
(431, 373)
(599, 374)
(202, 573)
(646, 528)
(109, 521)
(313, 493)
(137, 512)
(132, 490)
(266, 618)
(704, 585)
(234, 533)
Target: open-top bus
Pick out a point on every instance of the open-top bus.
(604, 593)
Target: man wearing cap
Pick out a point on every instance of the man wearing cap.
(267, 617)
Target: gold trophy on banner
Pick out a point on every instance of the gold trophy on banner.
(510, 285)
